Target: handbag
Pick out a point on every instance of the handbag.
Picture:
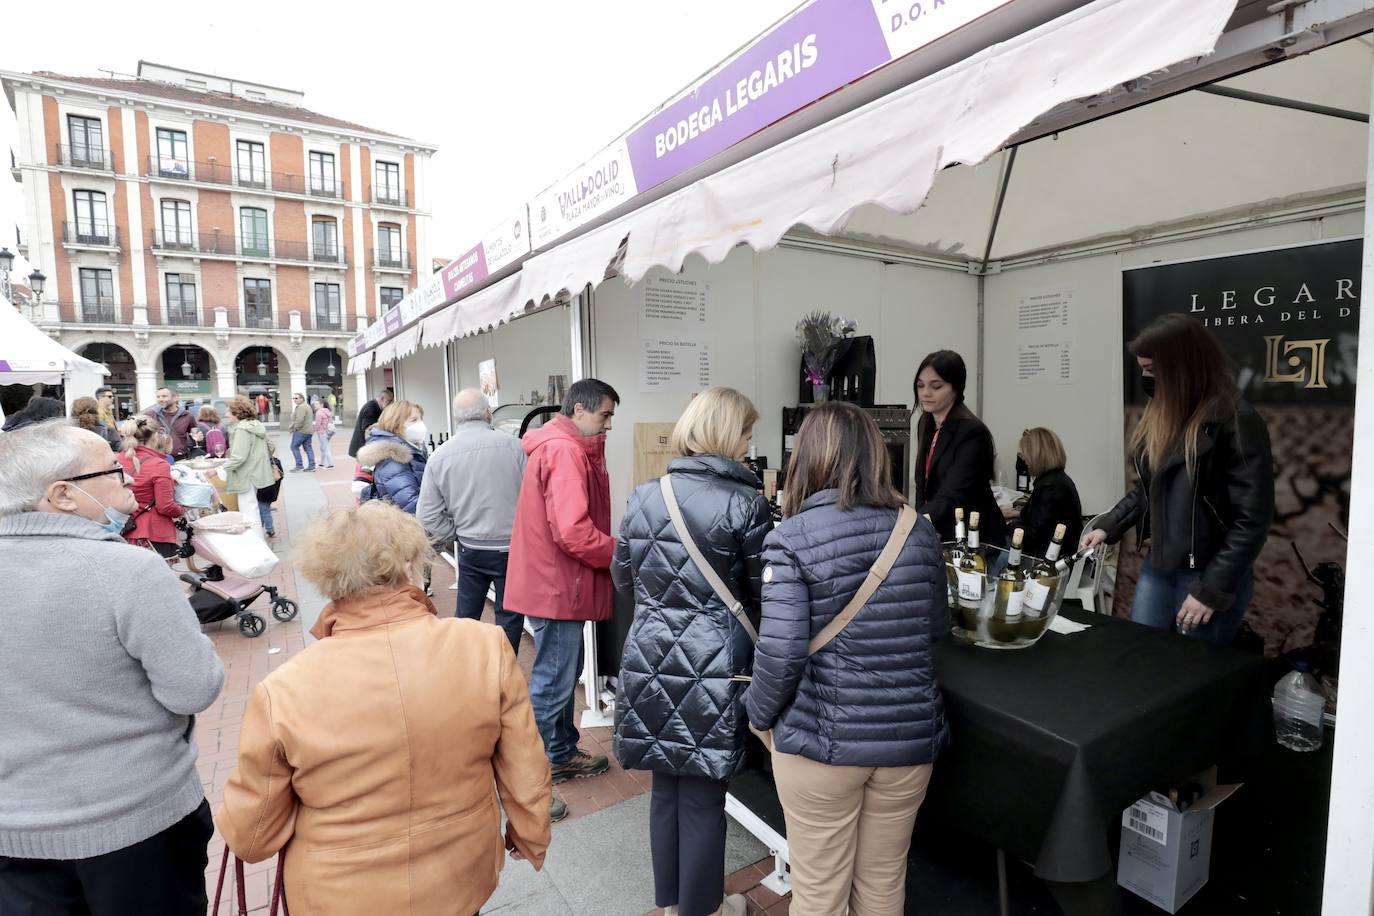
(877, 573)
(132, 521)
(278, 892)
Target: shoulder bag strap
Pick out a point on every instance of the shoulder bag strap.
(906, 520)
(722, 590)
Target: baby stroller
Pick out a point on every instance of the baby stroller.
(231, 556)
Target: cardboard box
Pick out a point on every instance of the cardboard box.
(1166, 854)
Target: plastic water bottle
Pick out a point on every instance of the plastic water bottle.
(1298, 706)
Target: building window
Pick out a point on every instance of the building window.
(257, 303)
(253, 231)
(391, 297)
(181, 299)
(92, 218)
(325, 235)
(328, 316)
(87, 141)
(322, 178)
(389, 245)
(97, 295)
(176, 224)
(173, 157)
(252, 163)
(388, 183)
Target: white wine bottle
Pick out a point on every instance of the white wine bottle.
(1005, 624)
(969, 572)
(1042, 578)
(953, 553)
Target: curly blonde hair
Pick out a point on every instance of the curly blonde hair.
(358, 548)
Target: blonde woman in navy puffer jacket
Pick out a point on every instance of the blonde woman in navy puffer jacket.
(678, 711)
(857, 726)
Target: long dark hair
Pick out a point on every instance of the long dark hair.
(840, 448)
(951, 369)
(1194, 382)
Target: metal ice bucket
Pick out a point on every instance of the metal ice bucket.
(975, 620)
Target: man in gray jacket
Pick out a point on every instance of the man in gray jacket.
(101, 807)
(469, 492)
(302, 429)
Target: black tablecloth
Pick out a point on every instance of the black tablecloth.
(1050, 744)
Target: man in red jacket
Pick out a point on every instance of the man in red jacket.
(560, 557)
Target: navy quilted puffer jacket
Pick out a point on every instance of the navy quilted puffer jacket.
(677, 709)
(869, 697)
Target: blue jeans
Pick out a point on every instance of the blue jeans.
(1160, 593)
(301, 446)
(477, 570)
(553, 680)
(265, 513)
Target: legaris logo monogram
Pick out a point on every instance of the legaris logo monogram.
(1312, 375)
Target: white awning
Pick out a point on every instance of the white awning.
(30, 357)
(407, 342)
(889, 152)
(360, 363)
(484, 309)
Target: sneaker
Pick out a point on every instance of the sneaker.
(296, 470)
(558, 809)
(733, 905)
(271, 534)
(580, 766)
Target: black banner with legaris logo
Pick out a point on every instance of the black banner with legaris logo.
(1289, 319)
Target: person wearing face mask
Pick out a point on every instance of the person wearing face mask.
(392, 804)
(1204, 494)
(101, 677)
(395, 450)
(955, 456)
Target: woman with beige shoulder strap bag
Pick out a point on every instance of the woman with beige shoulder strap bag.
(853, 597)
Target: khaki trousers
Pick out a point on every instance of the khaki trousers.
(848, 834)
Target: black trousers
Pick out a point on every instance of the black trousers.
(163, 875)
(687, 842)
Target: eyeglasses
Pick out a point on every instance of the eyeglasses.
(94, 474)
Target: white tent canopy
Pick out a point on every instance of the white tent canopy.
(30, 357)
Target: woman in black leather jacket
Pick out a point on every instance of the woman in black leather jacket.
(678, 709)
(1204, 497)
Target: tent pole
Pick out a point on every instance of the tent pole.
(983, 267)
(1349, 882)
(1279, 102)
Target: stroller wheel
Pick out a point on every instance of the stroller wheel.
(284, 609)
(252, 625)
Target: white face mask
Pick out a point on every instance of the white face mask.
(417, 433)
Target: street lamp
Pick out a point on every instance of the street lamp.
(185, 363)
(262, 364)
(330, 369)
(36, 281)
(6, 260)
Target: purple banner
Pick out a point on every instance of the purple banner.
(393, 321)
(825, 46)
(459, 275)
(359, 344)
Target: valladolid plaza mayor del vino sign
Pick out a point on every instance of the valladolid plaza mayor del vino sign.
(809, 55)
(1289, 319)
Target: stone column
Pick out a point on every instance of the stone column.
(146, 388)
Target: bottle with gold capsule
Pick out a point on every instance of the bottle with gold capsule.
(952, 557)
(1005, 623)
(969, 573)
(1042, 578)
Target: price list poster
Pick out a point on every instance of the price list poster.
(1044, 337)
(677, 331)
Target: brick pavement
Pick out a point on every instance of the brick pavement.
(248, 661)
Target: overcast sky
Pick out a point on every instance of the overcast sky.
(514, 94)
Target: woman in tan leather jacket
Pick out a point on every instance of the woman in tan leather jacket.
(380, 757)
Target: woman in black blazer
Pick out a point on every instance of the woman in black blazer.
(1054, 498)
(954, 459)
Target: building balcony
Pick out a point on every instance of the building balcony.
(161, 168)
(96, 234)
(391, 197)
(181, 317)
(258, 322)
(398, 261)
(84, 157)
(103, 311)
(225, 246)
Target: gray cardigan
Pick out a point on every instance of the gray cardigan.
(102, 664)
(471, 486)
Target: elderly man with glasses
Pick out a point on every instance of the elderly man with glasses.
(101, 807)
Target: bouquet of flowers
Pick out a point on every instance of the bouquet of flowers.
(819, 334)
